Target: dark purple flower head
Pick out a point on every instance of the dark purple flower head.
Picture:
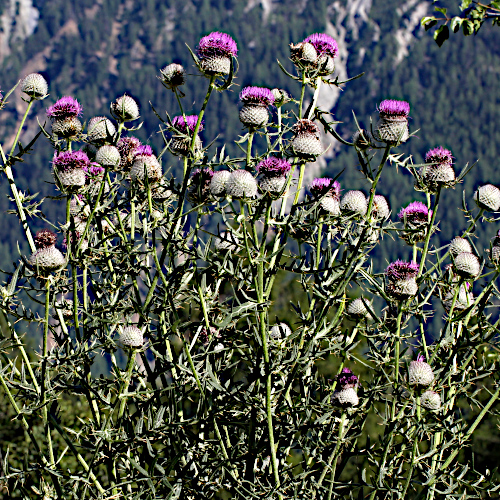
(66, 107)
(324, 185)
(217, 44)
(93, 170)
(143, 150)
(306, 126)
(439, 155)
(401, 270)
(69, 160)
(393, 108)
(202, 176)
(257, 95)
(415, 212)
(324, 44)
(191, 120)
(273, 167)
(347, 379)
(45, 238)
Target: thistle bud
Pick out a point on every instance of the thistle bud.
(241, 184)
(131, 336)
(46, 257)
(124, 109)
(487, 197)
(467, 265)
(430, 400)
(108, 156)
(459, 245)
(100, 130)
(357, 308)
(173, 76)
(227, 242)
(420, 373)
(354, 202)
(218, 182)
(35, 86)
(280, 331)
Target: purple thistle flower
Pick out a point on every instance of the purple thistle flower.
(416, 211)
(347, 379)
(392, 108)
(191, 120)
(401, 270)
(324, 185)
(257, 95)
(69, 160)
(66, 107)
(93, 170)
(273, 167)
(439, 155)
(421, 358)
(217, 44)
(324, 44)
(143, 150)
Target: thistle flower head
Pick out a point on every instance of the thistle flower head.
(273, 167)
(125, 108)
(35, 86)
(45, 238)
(202, 176)
(257, 95)
(306, 126)
(420, 372)
(143, 150)
(401, 270)
(439, 155)
(346, 379)
(70, 160)
(324, 44)
(93, 170)
(217, 44)
(180, 124)
(416, 211)
(173, 75)
(393, 108)
(66, 107)
(324, 185)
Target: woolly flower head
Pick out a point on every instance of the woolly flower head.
(217, 44)
(393, 108)
(273, 167)
(347, 379)
(143, 150)
(416, 211)
(69, 160)
(439, 155)
(190, 122)
(66, 107)
(257, 95)
(45, 238)
(401, 270)
(324, 44)
(323, 185)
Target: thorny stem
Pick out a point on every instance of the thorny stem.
(128, 375)
(312, 106)
(251, 133)
(302, 93)
(19, 130)
(299, 184)
(414, 450)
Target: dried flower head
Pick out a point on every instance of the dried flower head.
(45, 238)
(324, 44)
(70, 160)
(199, 189)
(306, 126)
(393, 108)
(127, 147)
(217, 44)
(273, 167)
(401, 270)
(257, 95)
(66, 107)
(190, 123)
(173, 75)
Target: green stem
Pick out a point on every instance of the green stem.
(429, 232)
(202, 112)
(302, 93)
(396, 358)
(251, 133)
(414, 451)
(19, 130)
(75, 302)
(375, 181)
(312, 106)
(128, 375)
(299, 184)
(334, 455)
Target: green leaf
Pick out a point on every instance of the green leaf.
(456, 22)
(465, 4)
(468, 27)
(441, 9)
(428, 22)
(441, 35)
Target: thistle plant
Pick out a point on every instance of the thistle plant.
(209, 394)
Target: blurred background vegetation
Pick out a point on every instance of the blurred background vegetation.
(97, 50)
